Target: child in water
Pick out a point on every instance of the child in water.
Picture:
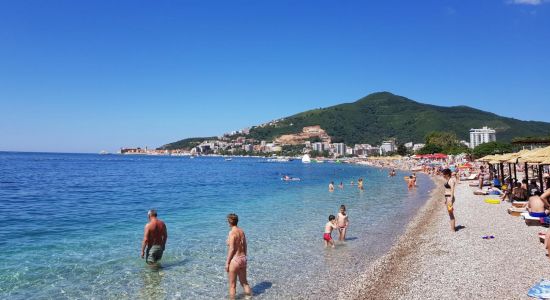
(327, 236)
(331, 186)
(360, 183)
(341, 185)
(343, 222)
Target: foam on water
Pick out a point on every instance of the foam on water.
(74, 223)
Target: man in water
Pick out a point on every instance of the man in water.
(154, 239)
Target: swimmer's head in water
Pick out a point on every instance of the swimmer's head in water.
(152, 213)
(233, 219)
(331, 218)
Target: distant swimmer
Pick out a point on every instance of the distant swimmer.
(410, 182)
(360, 183)
(392, 173)
(331, 186)
(154, 239)
(329, 226)
(343, 222)
(352, 183)
(235, 264)
(341, 185)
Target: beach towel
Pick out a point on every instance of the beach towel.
(540, 290)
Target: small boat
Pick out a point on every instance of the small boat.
(288, 178)
(229, 159)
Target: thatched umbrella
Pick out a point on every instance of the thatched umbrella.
(538, 157)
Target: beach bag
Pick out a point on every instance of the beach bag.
(541, 290)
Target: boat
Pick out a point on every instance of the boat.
(306, 159)
(229, 159)
(279, 159)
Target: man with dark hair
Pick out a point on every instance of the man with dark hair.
(534, 189)
(154, 238)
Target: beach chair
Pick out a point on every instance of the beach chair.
(530, 221)
(516, 211)
(520, 204)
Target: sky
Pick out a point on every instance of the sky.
(86, 76)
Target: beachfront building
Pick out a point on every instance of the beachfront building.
(481, 136)
(340, 149)
(417, 147)
(319, 147)
(387, 146)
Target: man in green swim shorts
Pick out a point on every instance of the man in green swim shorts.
(154, 238)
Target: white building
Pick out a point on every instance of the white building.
(482, 135)
(319, 147)
(387, 146)
(417, 147)
(340, 148)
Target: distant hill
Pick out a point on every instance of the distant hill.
(383, 115)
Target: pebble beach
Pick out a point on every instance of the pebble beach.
(430, 262)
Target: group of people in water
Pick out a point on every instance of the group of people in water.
(339, 222)
(156, 234)
(341, 185)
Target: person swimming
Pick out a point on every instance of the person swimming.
(331, 186)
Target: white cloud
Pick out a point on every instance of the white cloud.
(528, 2)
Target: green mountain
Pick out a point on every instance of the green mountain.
(383, 115)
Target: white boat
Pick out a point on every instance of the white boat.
(279, 159)
(306, 159)
(229, 159)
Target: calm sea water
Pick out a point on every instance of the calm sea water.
(72, 225)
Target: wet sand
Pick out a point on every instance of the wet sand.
(430, 262)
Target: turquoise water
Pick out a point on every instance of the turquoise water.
(73, 224)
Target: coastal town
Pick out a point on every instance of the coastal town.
(313, 140)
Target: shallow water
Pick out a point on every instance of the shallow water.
(73, 224)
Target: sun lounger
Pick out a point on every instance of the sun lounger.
(480, 192)
(516, 211)
(520, 203)
(531, 221)
(472, 177)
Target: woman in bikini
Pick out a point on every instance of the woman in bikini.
(450, 184)
(235, 265)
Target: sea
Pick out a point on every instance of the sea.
(72, 224)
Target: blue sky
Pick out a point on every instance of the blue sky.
(83, 76)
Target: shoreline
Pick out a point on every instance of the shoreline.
(380, 279)
(428, 261)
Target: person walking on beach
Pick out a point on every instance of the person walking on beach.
(450, 196)
(235, 264)
(154, 239)
(343, 222)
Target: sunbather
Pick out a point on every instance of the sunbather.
(537, 208)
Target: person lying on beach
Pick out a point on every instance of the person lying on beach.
(331, 186)
(343, 221)
(154, 239)
(329, 226)
(235, 264)
(537, 207)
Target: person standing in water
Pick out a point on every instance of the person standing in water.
(331, 186)
(450, 185)
(342, 221)
(154, 239)
(235, 264)
(327, 235)
(360, 183)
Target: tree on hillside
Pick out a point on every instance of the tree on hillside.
(430, 149)
(402, 150)
(492, 148)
